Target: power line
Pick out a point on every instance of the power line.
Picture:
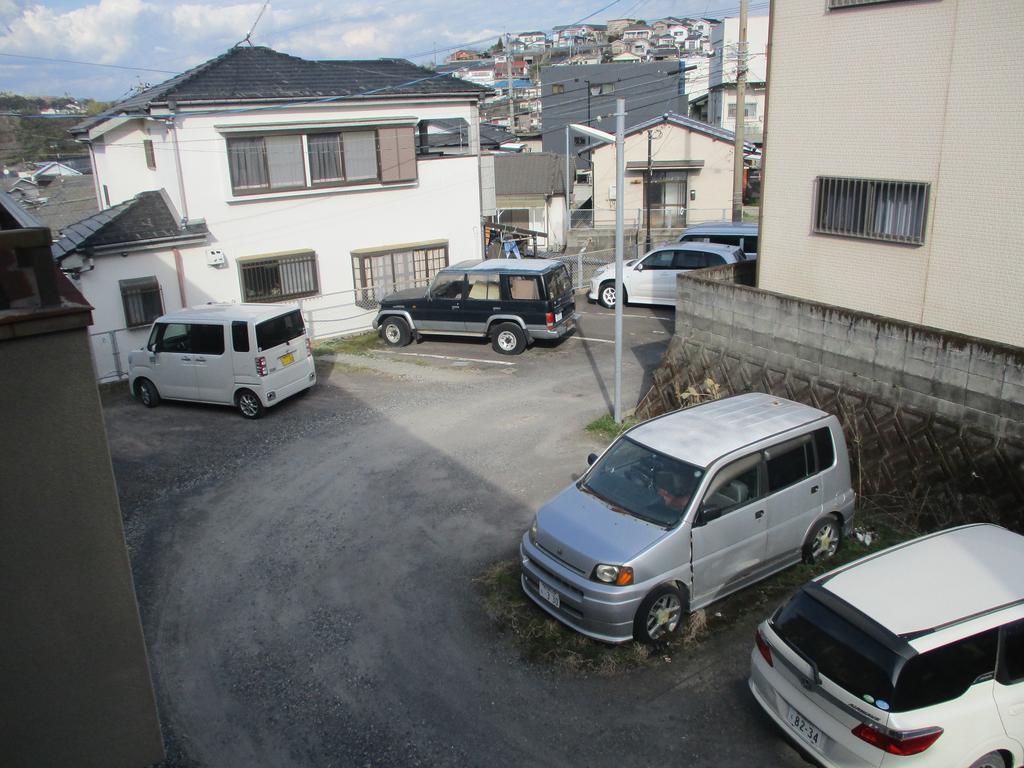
(87, 63)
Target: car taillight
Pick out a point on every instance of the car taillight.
(261, 366)
(551, 320)
(309, 347)
(898, 742)
(763, 647)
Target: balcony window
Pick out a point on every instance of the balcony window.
(278, 162)
(893, 211)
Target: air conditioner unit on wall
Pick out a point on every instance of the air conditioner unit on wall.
(611, 191)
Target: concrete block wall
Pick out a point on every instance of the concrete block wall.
(920, 406)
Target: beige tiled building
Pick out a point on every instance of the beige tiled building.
(894, 178)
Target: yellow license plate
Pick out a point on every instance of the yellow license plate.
(287, 359)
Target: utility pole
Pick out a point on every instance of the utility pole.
(741, 115)
(647, 190)
(508, 74)
(620, 206)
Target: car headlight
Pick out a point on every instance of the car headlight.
(533, 531)
(619, 575)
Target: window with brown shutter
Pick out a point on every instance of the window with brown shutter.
(397, 153)
(147, 145)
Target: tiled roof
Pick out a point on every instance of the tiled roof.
(64, 201)
(147, 216)
(532, 173)
(255, 73)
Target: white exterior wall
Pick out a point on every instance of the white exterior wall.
(723, 68)
(442, 205)
(900, 114)
(711, 183)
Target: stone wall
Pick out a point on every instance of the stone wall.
(922, 409)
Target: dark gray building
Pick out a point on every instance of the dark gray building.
(585, 93)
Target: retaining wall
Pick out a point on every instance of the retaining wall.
(921, 408)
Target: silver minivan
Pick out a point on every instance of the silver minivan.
(685, 509)
(251, 356)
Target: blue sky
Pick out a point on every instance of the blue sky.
(170, 37)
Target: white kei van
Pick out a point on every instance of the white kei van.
(251, 356)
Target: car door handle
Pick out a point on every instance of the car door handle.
(814, 489)
(759, 514)
(455, 306)
(200, 359)
(186, 359)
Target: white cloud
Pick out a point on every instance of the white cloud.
(104, 32)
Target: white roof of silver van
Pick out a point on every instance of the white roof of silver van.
(701, 434)
(223, 311)
(935, 580)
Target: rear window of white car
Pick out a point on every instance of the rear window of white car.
(278, 330)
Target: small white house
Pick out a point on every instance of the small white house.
(306, 176)
(683, 174)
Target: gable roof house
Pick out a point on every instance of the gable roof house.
(304, 174)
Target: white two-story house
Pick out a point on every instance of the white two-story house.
(291, 180)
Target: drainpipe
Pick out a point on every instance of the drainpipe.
(172, 122)
(179, 267)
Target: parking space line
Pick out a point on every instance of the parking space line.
(605, 314)
(448, 357)
(591, 338)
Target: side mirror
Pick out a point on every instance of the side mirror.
(639, 267)
(707, 514)
(591, 459)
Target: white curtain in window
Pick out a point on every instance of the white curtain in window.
(284, 161)
(360, 154)
(325, 158)
(246, 160)
(898, 212)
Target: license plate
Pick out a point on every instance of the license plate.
(549, 594)
(808, 731)
(287, 359)
(558, 317)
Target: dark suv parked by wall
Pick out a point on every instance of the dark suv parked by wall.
(510, 301)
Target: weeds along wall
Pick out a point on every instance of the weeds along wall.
(925, 412)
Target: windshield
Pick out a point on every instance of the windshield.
(278, 330)
(643, 483)
(558, 283)
(843, 653)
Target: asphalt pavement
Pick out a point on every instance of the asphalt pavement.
(306, 581)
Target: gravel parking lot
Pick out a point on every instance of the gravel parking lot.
(306, 580)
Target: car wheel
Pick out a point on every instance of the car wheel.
(396, 332)
(659, 616)
(145, 390)
(991, 760)
(606, 295)
(249, 404)
(823, 541)
(508, 339)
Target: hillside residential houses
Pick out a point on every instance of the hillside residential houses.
(289, 180)
(916, 217)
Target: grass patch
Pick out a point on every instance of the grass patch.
(543, 640)
(363, 344)
(606, 428)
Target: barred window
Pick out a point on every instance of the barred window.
(380, 273)
(142, 301)
(279, 278)
(894, 211)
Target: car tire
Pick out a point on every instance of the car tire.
(146, 391)
(396, 332)
(824, 540)
(508, 339)
(249, 404)
(606, 295)
(660, 615)
(991, 760)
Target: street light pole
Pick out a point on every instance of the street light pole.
(620, 180)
